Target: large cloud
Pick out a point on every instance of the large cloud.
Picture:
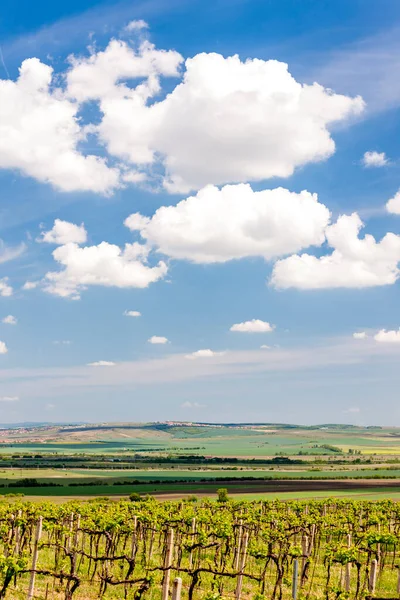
(235, 222)
(354, 263)
(227, 121)
(102, 265)
(40, 133)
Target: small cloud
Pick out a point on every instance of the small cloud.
(9, 398)
(265, 347)
(30, 285)
(64, 232)
(132, 313)
(374, 159)
(50, 406)
(102, 363)
(393, 205)
(62, 342)
(360, 335)
(136, 25)
(3, 348)
(193, 405)
(9, 320)
(206, 353)
(9, 253)
(157, 339)
(391, 337)
(253, 326)
(352, 410)
(5, 289)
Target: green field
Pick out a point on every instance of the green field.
(245, 441)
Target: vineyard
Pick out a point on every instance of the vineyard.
(146, 549)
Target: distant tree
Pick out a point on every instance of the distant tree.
(135, 497)
(222, 495)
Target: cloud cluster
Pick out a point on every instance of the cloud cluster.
(64, 232)
(102, 363)
(354, 263)
(217, 225)
(206, 353)
(102, 265)
(3, 348)
(374, 159)
(253, 326)
(391, 336)
(251, 119)
(31, 109)
(157, 339)
(360, 335)
(393, 205)
(5, 288)
(9, 398)
(9, 320)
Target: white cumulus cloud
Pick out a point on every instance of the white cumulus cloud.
(206, 353)
(253, 326)
(251, 119)
(393, 205)
(103, 265)
(3, 348)
(10, 320)
(217, 225)
(391, 336)
(132, 313)
(102, 363)
(354, 263)
(157, 339)
(136, 25)
(188, 404)
(33, 110)
(5, 288)
(64, 232)
(360, 335)
(9, 398)
(30, 285)
(374, 159)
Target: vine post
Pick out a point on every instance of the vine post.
(372, 576)
(38, 535)
(176, 589)
(242, 562)
(193, 534)
(167, 564)
(237, 557)
(295, 578)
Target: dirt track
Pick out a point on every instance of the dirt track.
(293, 485)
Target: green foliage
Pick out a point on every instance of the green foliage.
(222, 494)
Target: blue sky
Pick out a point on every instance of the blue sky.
(251, 188)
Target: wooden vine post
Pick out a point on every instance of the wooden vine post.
(193, 537)
(167, 564)
(242, 562)
(372, 576)
(347, 573)
(38, 535)
(295, 578)
(237, 557)
(176, 589)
